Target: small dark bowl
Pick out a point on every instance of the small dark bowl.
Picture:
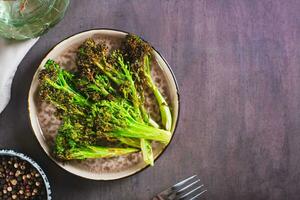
(5, 152)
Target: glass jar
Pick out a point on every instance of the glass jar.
(23, 19)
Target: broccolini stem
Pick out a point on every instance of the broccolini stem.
(153, 123)
(138, 130)
(134, 95)
(130, 141)
(99, 89)
(147, 152)
(165, 112)
(98, 152)
(114, 79)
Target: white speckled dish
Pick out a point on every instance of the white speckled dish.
(45, 125)
(5, 152)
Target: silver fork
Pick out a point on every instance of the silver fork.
(187, 189)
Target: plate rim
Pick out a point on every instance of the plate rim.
(177, 93)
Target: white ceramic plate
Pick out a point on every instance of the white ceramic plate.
(44, 123)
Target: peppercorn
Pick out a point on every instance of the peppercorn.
(13, 181)
(18, 172)
(9, 189)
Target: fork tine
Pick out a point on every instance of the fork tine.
(188, 186)
(190, 192)
(197, 195)
(183, 182)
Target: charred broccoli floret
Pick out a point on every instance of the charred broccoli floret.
(139, 54)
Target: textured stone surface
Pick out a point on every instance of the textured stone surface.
(238, 67)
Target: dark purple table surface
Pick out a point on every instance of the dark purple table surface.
(238, 68)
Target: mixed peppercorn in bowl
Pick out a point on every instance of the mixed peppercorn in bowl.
(22, 178)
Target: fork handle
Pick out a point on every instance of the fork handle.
(158, 197)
